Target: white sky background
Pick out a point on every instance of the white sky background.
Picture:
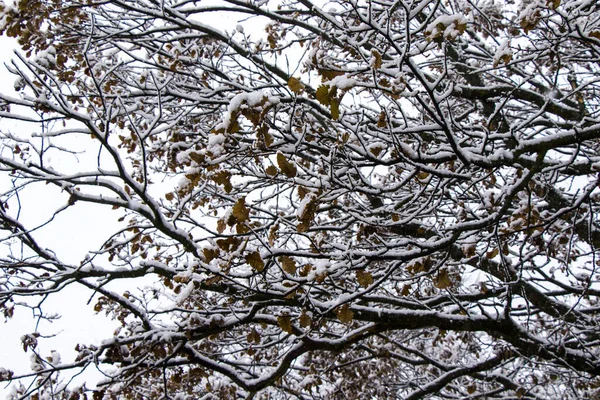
(74, 232)
(71, 235)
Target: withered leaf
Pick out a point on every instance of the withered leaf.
(306, 268)
(305, 320)
(323, 94)
(364, 279)
(234, 126)
(405, 290)
(472, 388)
(493, 253)
(197, 157)
(288, 264)
(210, 254)
(268, 139)
(329, 74)
(221, 225)
(223, 178)
(253, 336)
(530, 22)
(309, 210)
(442, 279)
(265, 139)
(422, 175)
(271, 170)
(295, 85)
(242, 228)
(382, 120)
(303, 226)
(288, 168)
(240, 211)
(285, 323)
(469, 250)
(344, 314)
(376, 150)
(483, 288)
(376, 62)
(335, 109)
(302, 191)
(255, 261)
(229, 244)
(273, 234)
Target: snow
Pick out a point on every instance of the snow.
(303, 204)
(35, 363)
(308, 380)
(246, 100)
(529, 12)
(343, 82)
(185, 292)
(4, 15)
(406, 147)
(55, 358)
(446, 26)
(322, 266)
(503, 52)
(215, 144)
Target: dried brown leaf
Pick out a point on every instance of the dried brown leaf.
(344, 314)
(288, 168)
(288, 264)
(255, 261)
(295, 85)
(285, 323)
(442, 279)
(305, 320)
(323, 95)
(364, 279)
(240, 211)
(271, 170)
(377, 62)
(335, 109)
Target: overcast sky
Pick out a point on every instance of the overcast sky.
(71, 235)
(88, 226)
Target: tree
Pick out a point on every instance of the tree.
(364, 199)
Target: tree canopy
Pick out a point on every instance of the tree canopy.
(325, 200)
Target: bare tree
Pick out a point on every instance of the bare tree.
(363, 199)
